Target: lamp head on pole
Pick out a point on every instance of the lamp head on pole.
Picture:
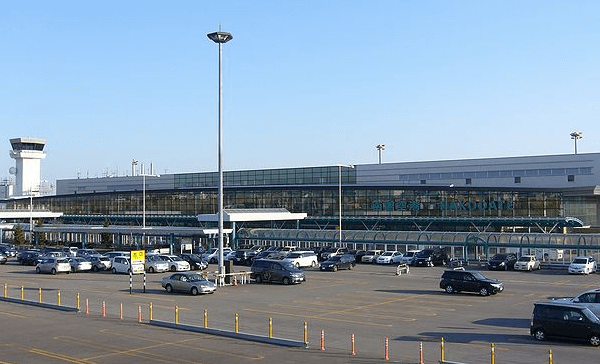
(220, 37)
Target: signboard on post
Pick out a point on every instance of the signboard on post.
(138, 256)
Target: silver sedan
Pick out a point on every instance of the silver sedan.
(191, 282)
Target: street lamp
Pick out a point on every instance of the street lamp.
(380, 147)
(340, 195)
(576, 135)
(220, 38)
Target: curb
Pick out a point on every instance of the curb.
(40, 304)
(230, 334)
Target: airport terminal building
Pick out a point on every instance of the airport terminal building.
(388, 196)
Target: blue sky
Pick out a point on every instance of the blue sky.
(306, 83)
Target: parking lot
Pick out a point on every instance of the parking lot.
(369, 301)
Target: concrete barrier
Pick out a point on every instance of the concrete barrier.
(40, 304)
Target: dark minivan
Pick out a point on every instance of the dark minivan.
(267, 270)
(430, 257)
(503, 261)
(564, 320)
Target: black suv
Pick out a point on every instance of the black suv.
(469, 281)
(267, 270)
(430, 257)
(336, 262)
(502, 262)
(565, 320)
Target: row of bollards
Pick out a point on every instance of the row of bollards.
(353, 351)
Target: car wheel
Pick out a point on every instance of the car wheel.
(594, 340)
(313, 264)
(484, 291)
(449, 289)
(539, 335)
(334, 268)
(169, 288)
(114, 270)
(194, 291)
(38, 270)
(286, 280)
(95, 268)
(151, 269)
(173, 268)
(259, 279)
(53, 271)
(529, 269)
(213, 260)
(351, 266)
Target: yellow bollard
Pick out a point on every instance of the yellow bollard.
(237, 323)
(150, 315)
(58, 297)
(5, 290)
(306, 334)
(550, 356)
(22, 293)
(493, 354)
(78, 303)
(176, 315)
(270, 327)
(40, 295)
(443, 351)
(205, 319)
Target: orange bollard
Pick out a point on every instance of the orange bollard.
(120, 311)
(322, 340)
(103, 309)
(352, 348)
(420, 353)
(139, 313)
(387, 349)
(87, 307)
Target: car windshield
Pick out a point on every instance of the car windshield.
(289, 266)
(293, 255)
(499, 257)
(478, 275)
(590, 315)
(424, 253)
(387, 254)
(580, 261)
(176, 259)
(524, 259)
(335, 258)
(195, 278)
(62, 260)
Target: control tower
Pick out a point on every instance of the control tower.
(28, 153)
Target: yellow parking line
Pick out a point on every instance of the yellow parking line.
(62, 357)
(15, 314)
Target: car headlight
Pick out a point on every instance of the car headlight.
(503, 263)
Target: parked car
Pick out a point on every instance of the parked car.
(583, 265)
(79, 264)
(28, 257)
(113, 254)
(86, 252)
(123, 265)
(564, 320)
(212, 256)
(53, 265)
(267, 270)
(370, 256)
(332, 251)
(99, 262)
(389, 257)
(3, 258)
(338, 262)
(302, 259)
(408, 256)
(503, 261)
(154, 264)
(69, 251)
(8, 251)
(430, 257)
(460, 280)
(357, 254)
(589, 298)
(194, 260)
(176, 264)
(527, 262)
(191, 282)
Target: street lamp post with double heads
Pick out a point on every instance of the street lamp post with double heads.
(220, 38)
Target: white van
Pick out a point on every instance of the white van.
(121, 264)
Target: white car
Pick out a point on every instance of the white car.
(79, 264)
(176, 264)
(122, 265)
(389, 257)
(53, 265)
(527, 262)
(302, 259)
(113, 254)
(582, 265)
(156, 265)
(408, 256)
(370, 256)
(212, 256)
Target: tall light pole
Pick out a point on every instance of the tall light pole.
(31, 192)
(576, 135)
(144, 175)
(340, 195)
(380, 147)
(220, 38)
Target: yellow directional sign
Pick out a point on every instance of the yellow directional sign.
(138, 256)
